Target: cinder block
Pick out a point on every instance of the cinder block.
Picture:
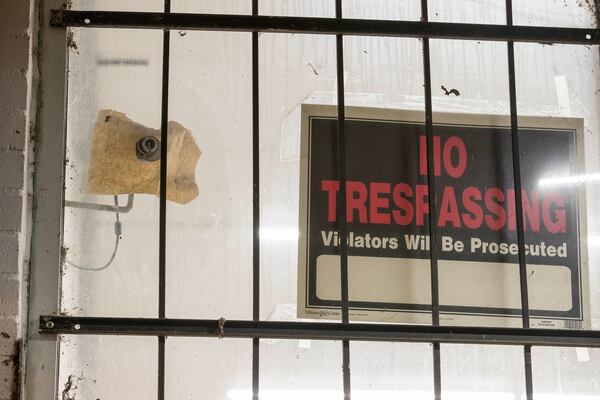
(11, 170)
(8, 379)
(9, 297)
(10, 211)
(9, 254)
(8, 336)
(12, 135)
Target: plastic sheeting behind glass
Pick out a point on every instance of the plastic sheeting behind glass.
(110, 267)
(209, 239)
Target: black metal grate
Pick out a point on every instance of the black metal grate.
(344, 331)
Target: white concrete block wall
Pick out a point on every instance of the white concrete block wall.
(14, 77)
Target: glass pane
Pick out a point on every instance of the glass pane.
(482, 372)
(383, 72)
(298, 8)
(468, 11)
(212, 7)
(556, 83)
(298, 369)
(389, 371)
(294, 70)
(208, 368)
(565, 374)
(563, 13)
(110, 261)
(116, 5)
(107, 367)
(209, 236)
(469, 77)
(397, 10)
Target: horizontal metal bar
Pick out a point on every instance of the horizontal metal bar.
(329, 26)
(317, 331)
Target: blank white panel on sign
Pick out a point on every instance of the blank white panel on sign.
(462, 283)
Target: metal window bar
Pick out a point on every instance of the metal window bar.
(433, 257)
(516, 158)
(340, 173)
(255, 208)
(345, 331)
(162, 249)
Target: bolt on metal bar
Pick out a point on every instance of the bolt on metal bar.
(255, 208)
(516, 158)
(329, 26)
(71, 325)
(162, 250)
(341, 208)
(435, 303)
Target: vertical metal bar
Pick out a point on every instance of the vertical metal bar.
(256, 208)
(514, 129)
(435, 302)
(162, 250)
(341, 206)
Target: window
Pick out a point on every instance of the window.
(199, 300)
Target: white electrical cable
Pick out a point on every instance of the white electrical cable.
(116, 248)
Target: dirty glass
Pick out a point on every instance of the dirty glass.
(298, 369)
(555, 81)
(565, 373)
(482, 372)
(116, 5)
(468, 11)
(107, 367)
(209, 236)
(560, 13)
(198, 368)
(391, 370)
(402, 10)
(294, 70)
(109, 259)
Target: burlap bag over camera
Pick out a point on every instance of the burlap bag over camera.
(116, 169)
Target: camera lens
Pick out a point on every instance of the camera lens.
(148, 149)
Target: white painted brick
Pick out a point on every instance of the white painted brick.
(8, 336)
(9, 254)
(7, 379)
(12, 139)
(11, 170)
(10, 212)
(9, 297)
(14, 62)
